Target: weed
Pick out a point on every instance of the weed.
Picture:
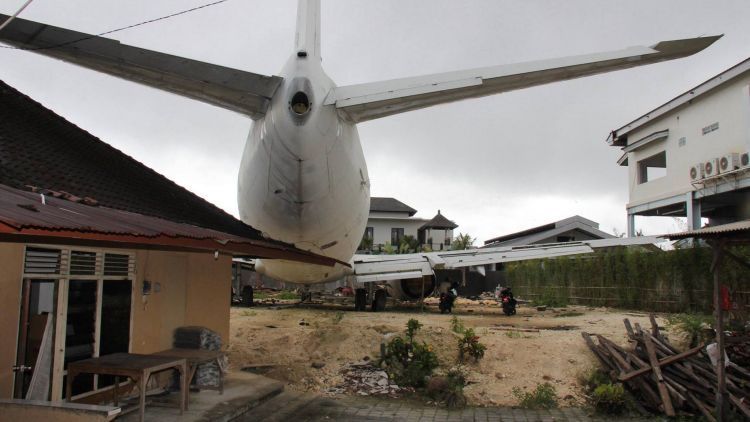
(287, 295)
(337, 317)
(456, 325)
(693, 326)
(249, 313)
(513, 334)
(610, 399)
(469, 345)
(544, 396)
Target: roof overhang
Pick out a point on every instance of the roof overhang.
(618, 137)
(623, 160)
(653, 137)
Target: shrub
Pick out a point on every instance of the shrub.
(406, 362)
(337, 317)
(544, 396)
(449, 388)
(610, 399)
(592, 378)
(693, 326)
(469, 345)
(287, 295)
(456, 325)
(513, 334)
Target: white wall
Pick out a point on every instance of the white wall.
(382, 228)
(438, 236)
(728, 105)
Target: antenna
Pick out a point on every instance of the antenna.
(307, 39)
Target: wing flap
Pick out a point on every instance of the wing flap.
(370, 101)
(243, 92)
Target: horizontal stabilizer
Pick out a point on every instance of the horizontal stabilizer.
(370, 101)
(244, 92)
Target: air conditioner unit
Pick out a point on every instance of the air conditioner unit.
(729, 162)
(696, 172)
(745, 159)
(711, 167)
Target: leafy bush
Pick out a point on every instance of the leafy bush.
(610, 399)
(693, 326)
(287, 295)
(456, 325)
(406, 362)
(544, 396)
(469, 345)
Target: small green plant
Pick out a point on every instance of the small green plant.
(249, 313)
(544, 396)
(406, 362)
(456, 325)
(693, 326)
(337, 317)
(412, 326)
(513, 334)
(610, 399)
(469, 345)
(592, 378)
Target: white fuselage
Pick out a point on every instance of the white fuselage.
(303, 177)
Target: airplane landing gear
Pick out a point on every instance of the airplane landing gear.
(378, 303)
(375, 297)
(360, 299)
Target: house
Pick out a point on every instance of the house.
(571, 229)
(391, 220)
(689, 156)
(101, 254)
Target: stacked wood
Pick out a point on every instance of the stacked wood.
(665, 380)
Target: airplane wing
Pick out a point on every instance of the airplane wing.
(243, 92)
(370, 101)
(374, 268)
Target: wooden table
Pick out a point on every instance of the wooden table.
(195, 357)
(136, 367)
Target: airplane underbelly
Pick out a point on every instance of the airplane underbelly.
(317, 200)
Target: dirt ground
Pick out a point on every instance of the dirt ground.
(298, 341)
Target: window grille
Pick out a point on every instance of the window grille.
(42, 261)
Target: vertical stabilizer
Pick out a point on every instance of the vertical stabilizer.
(307, 39)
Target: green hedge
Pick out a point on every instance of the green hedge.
(673, 281)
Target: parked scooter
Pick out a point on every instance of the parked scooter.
(507, 301)
(447, 299)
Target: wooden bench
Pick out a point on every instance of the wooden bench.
(37, 410)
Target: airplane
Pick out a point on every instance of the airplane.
(303, 176)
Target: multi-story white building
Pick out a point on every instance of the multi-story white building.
(688, 157)
(390, 220)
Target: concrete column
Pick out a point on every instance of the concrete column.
(631, 225)
(693, 207)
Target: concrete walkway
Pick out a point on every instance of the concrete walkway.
(297, 407)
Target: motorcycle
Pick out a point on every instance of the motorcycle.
(508, 302)
(446, 302)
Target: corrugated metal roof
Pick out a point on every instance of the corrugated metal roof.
(24, 213)
(731, 229)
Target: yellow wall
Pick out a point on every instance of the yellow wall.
(11, 262)
(193, 290)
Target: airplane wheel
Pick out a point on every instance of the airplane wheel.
(360, 299)
(247, 296)
(378, 304)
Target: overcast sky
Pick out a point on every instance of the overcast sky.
(494, 165)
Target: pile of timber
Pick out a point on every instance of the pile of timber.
(666, 380)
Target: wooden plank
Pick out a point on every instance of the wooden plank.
(701, 407)
(61, 323)
(654, 326)
(739, 405)
(662, 362)
(629, 329)
(659, 378)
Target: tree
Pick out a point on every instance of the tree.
(409, 244)
(463, 241)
